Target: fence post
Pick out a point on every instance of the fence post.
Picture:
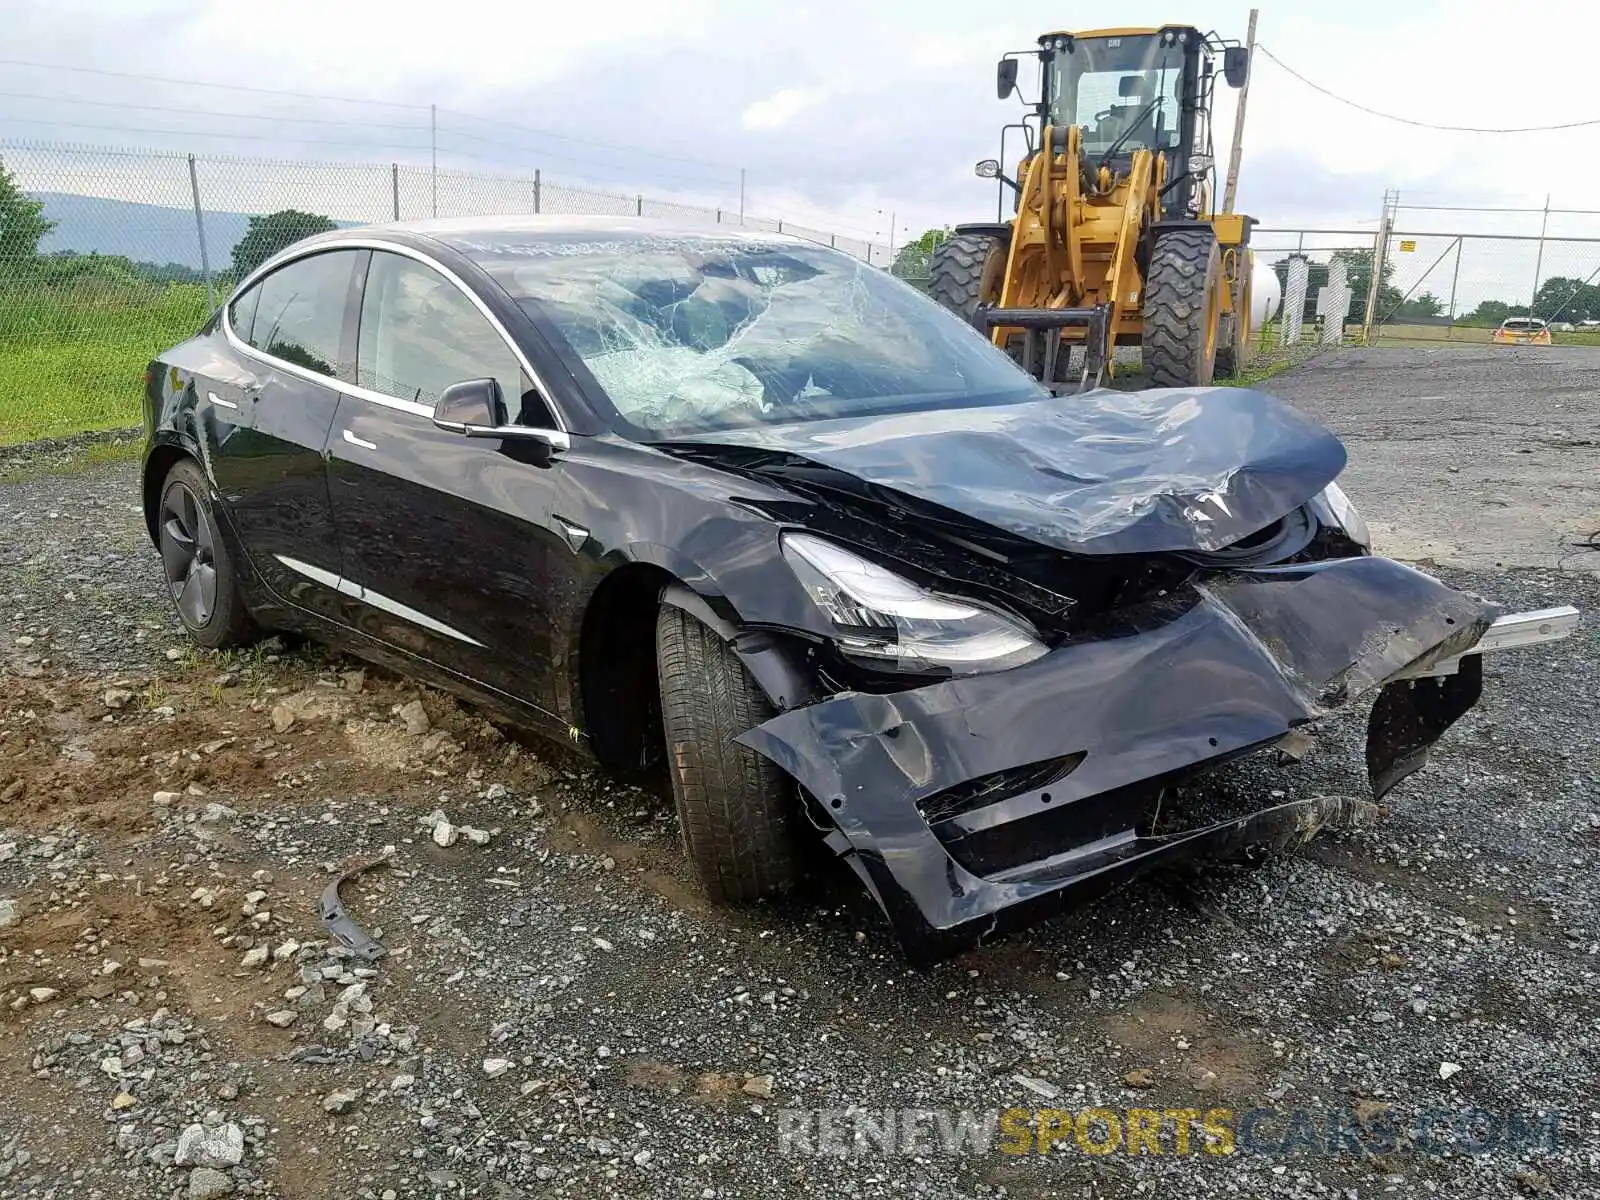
(1538, 263)
(1455, 274)
(200, 232)
(394, 187)
(536, 191)
(638, 206)
(780, 226)
(833, 241)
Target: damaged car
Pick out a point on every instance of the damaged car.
(748, 509)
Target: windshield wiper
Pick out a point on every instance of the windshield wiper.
(1130, 130)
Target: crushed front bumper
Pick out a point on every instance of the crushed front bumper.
(1052, 765)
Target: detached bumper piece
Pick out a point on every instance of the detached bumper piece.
(983, 803)
(1046, 324)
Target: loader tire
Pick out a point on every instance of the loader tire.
(1182, 308)
(966, 270)
(738, 813)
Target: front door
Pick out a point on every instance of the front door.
(296, 328)
(450, 546)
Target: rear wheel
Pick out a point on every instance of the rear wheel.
(966, 270)
(737, 811)
(199, 573)
(1182, 308)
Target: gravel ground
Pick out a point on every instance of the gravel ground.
(560, 1015)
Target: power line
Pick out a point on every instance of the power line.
(473, 137)
(631, 151)
(1317, 87)
(189, 112)
(231, 87)
(259, 137)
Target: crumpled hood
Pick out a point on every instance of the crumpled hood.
(1102, 472)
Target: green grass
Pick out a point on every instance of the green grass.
(73, 359)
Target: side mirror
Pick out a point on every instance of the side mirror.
(1236, 66)
(987, 168)
(475, 402)
(474, 409)
(1005, 77)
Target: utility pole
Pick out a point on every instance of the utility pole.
(1538, 264)
(433, 145)
(1380, 253)
(1232, 186)
(741, 195)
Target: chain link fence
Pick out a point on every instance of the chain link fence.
(109, 256)
(1442, 287)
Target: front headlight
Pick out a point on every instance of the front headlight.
(1332, 507)
(890, 620)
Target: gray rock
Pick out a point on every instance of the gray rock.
(415, 718)
(206, 1183)
(8, 913)
(340, 1100)
(202, 1147)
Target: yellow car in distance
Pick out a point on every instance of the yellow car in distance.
(1522, 331)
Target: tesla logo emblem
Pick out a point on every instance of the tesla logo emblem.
(1214, 498)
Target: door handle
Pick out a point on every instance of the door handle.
(219, 401)
(358, 441)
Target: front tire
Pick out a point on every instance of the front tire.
(737, 811)
(194, 560)
(1182, 308)
(966, 270)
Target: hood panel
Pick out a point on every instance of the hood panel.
(1101, 472)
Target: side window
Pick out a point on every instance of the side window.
(299, 314)
(242, 312)
(420, 334)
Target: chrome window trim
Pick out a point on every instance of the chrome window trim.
(558, 437)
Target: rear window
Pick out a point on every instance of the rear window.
(1522, 325)
(300, 313)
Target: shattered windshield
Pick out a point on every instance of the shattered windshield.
(691, 335)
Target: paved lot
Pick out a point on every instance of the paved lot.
(1475, 456)
(561, 1016)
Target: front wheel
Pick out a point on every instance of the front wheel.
(1182, 308)
(966, 270)
(199, 573)
(738, 813)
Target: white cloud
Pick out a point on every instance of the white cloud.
(780, 108)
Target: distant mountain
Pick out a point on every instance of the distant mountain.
(150, 233)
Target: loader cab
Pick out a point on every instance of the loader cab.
(1134, 89)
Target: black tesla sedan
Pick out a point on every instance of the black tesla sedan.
(749, 508)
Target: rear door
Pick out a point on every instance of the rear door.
(450, 543)
(299, 343)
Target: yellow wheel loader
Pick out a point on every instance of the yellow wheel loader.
(1114, 241)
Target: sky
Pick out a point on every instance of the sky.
(862, 117)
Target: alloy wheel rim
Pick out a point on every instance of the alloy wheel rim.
(188, 555)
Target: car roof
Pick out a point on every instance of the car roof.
(461, 232)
